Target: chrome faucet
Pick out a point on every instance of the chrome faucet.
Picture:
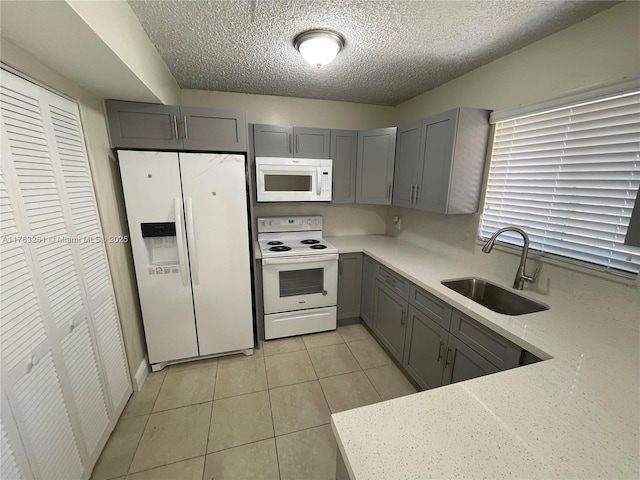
(521, 277)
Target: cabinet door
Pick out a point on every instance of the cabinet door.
(424, 349)
(311, 142)
(463, 363)
(406, 169)
(390, 316)
(143, 125)
(344, 152)
(349, 285)
(213, 129)
(376, 157)
(272, 141)
(369, 274)
(436, 151)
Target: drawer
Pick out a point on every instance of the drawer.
(431, 306)
(491, 345)
(394, 281)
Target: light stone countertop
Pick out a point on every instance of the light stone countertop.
(574, 415)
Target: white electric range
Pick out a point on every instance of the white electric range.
(299, 276)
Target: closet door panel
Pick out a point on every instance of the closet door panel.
(10, 468)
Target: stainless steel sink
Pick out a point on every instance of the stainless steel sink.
(494, 297)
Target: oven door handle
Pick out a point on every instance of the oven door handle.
(291, 260)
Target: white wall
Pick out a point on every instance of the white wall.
(106, 182)
(602, 49)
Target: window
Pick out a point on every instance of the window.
(569, 177)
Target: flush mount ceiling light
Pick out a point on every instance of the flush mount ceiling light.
(319, 47)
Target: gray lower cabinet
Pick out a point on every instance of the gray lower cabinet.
(390, 319)
(272, 140)
(311, 142)
(369, 275)
(148, 126)
(376, 158)
(424, 349)
(344, 152)
(464, 363)
(349, 285)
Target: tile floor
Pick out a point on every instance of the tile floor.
(265, 416)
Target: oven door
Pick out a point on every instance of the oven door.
(299, 283)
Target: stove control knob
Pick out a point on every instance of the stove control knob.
(309, 221)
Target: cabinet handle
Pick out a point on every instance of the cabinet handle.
(390, 280)
(296, 142)
(403, 318)
(446, 358)
(73, 325)
(186, 133)
(417, 194)
(289, 143)
(33, 361)
(175, 127)
(440, 350)
(389, 191)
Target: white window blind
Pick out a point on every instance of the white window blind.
(569, 177)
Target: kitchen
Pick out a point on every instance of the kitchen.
(600, 313)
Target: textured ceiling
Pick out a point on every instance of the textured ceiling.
(395, 49)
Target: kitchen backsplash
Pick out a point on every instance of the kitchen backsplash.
(338, 219)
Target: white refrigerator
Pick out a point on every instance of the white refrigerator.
(189, 230)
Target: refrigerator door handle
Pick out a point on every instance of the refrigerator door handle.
(182, 258)
(193, 252)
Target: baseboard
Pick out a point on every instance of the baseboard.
(348, 321)
(141, 374)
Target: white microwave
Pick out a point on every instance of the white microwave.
(293, 179)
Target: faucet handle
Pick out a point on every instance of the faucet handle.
(532, 278)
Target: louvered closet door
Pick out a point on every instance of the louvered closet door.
(50, 195)
(29, 375)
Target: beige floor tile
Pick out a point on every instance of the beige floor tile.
(172, 436)
(240, 377)
(321, 339)
(299, 406)
(240, 420)
(309, 454)
(289, 368)
(389, 382)
(191, 469)
(253, 461)
(348, 391)
(141, 403)
(257, 353)
(333, 360)
(120, 449)
(351, 333)
(369, 353)
(195, 364)
(186, 387)
(283, 345)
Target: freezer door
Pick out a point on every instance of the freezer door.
(153, 197)
(214, 193)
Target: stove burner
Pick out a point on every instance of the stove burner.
(309, 242)
(274, 242)
(280, 248)
(318, 247)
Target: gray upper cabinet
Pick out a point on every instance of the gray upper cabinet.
(286, 141)
(273, 141)
(344, 150)
(369, 275)
(443, 173)
(147, 126)
(213, 129)
(349, 285)
(143, 125)
(376, 158)
(390, 319)
(406, 168)
(311, 142)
